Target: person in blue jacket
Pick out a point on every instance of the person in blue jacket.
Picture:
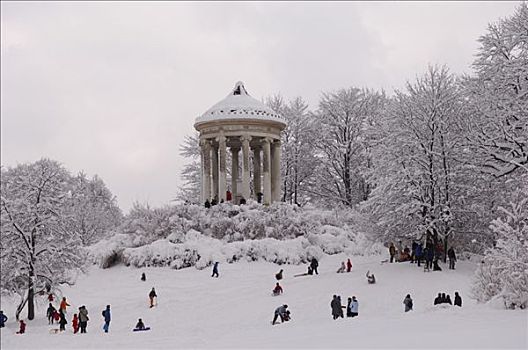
(215, 270)
(354, 307)
(3, 319)
(418, 253)
(107, 318)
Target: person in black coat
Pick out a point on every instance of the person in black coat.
(314, 264)
(443, 299)
(458, 300)
(335, 305)
(215, 270)
(448, 300)
(62, 321)
(414, 245)
(207, 204)
(278, 275)
(50, 313)
(143, 277)
(452, 258)
(438, 299)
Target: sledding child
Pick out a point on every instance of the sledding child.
(75, 324)
(22, 329)
(140, 325)
(278, 275)
(152, 295)
(50, 313)
(408, 303)
(3, 319)
(277, 290)
(349, 265)
(342, 268)
(370, 278)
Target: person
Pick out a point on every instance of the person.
(229, 196)
(458, 300)
(342, 268)
(443, 299)
(107, 318)
(349, 265)
(335, 306)
(22, 329)
(429, 257)
(354, 307)
(242, 201)
(62, 321)
(438, 299)
(408, 303)
(370, 278)
(282, 312)
(448, 300)
(143, 277)
(452, 258)
(3, 319)
(63, 305)
(207, 204)
(278, 275)
(314, 264)
(341, 307)
(152, 295)
(83, 318)
(215, 270)
(419, 251)
(436, 267)
(75, 324)
(50, 313)
(392, 252)
(50, 297)
(277, 290)
(140, 325)
(214, 201)
(349, 312)
(414, 245)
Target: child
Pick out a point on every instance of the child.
(341, 268)
(22, 329)
(140, 325)
(75, 324)
(277, 290)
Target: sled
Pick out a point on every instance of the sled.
(275, 294)
(384, 261)
(54, 331)
(141, 330)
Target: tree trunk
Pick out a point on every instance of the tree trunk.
(31, 295)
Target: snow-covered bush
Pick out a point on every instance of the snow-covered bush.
(504, 271)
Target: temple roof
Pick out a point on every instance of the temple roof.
(240, 105)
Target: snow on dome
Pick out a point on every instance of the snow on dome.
(240, 105)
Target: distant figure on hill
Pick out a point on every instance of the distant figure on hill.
(336, 307)
(314, 264)
(207, 204)
(3, 319)
(370, 278)
(50, 297)
(107, 318)
(354, 307)
(50, 313)
(214, 201)
(419, 253)
(436, 267)
(448, 300)
(392, 252)
(349, 265)
(277, 290)
(452, 258)
(438, 299)
(215, 270)
(83, 318)
(341, 268)
(152, 295)
(63, 304)
(443, 298)
(429, 254)
(278, 275)
(62, 321)
(22, 329)
(75, 324)
(414, 245)
(143, 277)
(140, 325)
(408, 303)
(282, 312)
(458, 300)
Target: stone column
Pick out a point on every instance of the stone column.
(215, 172)
(245, 166)
(234, 172)
(206, 170)
(266, 167)
(275, 171)
(256, 170)
(222, 168)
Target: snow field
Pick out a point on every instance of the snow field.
(235, 310)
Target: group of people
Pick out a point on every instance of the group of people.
(352, 308)
(430, 254)
(443, 299)
(347, 267)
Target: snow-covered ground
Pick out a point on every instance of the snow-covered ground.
(235, 310)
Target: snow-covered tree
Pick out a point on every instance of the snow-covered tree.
(504, 271)
(191, 173)
(38, 250)
(498, 96)
(342, 145)
(93, 210)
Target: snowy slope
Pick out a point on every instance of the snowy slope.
(235, 310)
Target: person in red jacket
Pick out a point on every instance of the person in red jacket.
(349, 265)
(63, 304)
(75, 324)
(22, 327)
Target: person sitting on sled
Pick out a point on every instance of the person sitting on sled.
(140, 325)
(277, 290)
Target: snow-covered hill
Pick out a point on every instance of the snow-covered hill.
(235, 310)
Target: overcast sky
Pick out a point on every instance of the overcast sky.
(112, 88)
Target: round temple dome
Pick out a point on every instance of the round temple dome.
(239, 105)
